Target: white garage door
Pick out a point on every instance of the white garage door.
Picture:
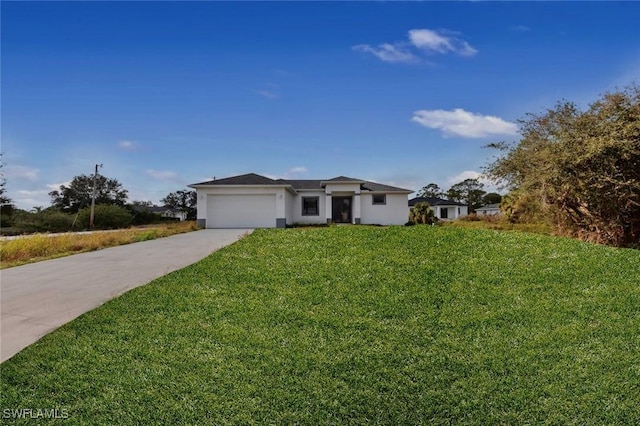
(241, 211)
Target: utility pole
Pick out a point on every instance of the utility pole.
(93, 196)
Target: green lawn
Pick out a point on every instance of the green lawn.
(356, 325)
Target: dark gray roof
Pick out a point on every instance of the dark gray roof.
(434, 201)
(343, 179)
(379, 187)
(248, 179)
(300, 184)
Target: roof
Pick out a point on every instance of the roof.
(300, 184)
(434, 201)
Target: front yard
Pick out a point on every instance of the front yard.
(356, 325)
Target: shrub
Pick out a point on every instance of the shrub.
(422, 213)
(48, 220)
(106, 216)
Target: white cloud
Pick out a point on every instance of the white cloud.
(299, 169)
(161, 174)
(290, 174)
(440, 42)
(387, 52)
(56, 186)
(520, 28)
(128, 145)
(422, 41)
(459, 122)
(467, 174)
(489, 185)
(21, 172)
(268, 94)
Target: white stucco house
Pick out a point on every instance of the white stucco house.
(254, 201)
(443, 209)
(489, 210)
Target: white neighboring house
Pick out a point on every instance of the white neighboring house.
(489, 210)
(443, 209)
(254, 201)
(164, 211)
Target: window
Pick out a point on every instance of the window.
(310, 206)
(379, 199)
(444, 213)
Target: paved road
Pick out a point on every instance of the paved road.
(40, 297)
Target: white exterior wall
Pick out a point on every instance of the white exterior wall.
(278, 194)
(453, 212)
(321, 218)
(395, 212)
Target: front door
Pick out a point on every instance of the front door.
(341, 209)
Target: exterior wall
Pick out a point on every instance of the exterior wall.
(488, 212)
(321, 218)
(352, 188)
(453, 212)
(394, 212)
(278, 194)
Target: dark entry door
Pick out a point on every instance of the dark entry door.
(341, 209)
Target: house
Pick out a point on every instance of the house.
(163, 211)
(254, 201)
(443, 209)
(489, 210)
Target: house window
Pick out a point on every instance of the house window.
(310, 206)
(379, 199)
(444, 213)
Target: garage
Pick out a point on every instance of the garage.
(241, 211)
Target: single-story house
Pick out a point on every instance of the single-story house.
(254, 201)
(163, 211)
(443, 209)
(489, 210)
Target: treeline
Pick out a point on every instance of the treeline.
(577, 169)
(70, 208)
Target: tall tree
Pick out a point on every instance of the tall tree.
(4, 199)
(183, 200)
(579, 169)
(469, 192)
(78, 193)
(492, 198)
(431, 190)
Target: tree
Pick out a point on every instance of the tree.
(492, 198)
(469, 192)
(142, 203)
(431, 190)
(6, 204)
(183, 200)
(107, 216)
(579, 169)
(78, 194)
(4, 199)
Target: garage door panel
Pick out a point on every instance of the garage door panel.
(241, 211)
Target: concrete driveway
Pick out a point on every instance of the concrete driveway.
(40, 297)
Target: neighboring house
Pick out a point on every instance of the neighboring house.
(254, 201)
(163, 211)
(489, 210)
(443, 209)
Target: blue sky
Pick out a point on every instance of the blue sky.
(170, 93)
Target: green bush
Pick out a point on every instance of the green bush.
(49, 220)
(106, 216)
(422, 213)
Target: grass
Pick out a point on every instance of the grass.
(356, 325)
(499, 223)
(41, 246)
